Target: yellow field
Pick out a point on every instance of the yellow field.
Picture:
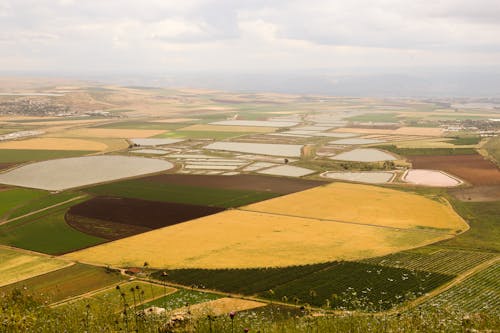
(423, 131)
(65, 122)
(111, 133)
(19, 265)
(221, 306)
(54, 144)
(365, 204)
(223, 128)
(366, 221)
(173, 120)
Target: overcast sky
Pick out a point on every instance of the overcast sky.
(246, 36)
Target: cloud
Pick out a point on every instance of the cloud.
(257, 35)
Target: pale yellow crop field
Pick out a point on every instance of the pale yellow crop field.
(111, 133)
(241, 239)
(223, 128)
(365, 204)
(421, 131)
(174, 120)
(54, 144)
(221, 306)
(19, 265)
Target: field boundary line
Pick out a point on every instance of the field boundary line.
(43, 209)
(457, 280)
(348, 222)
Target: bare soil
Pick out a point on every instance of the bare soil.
(473, 168)
(114, 218)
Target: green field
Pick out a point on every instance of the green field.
(493, 148)
(434, 259)
(66, 282)
(340, 285)
(16, 197)
(16, 265)
(46, 232)
(25, 155)
(180, 298)
(483, 218)
(42, 203)
(427, 151)
(127, 295)
(480, 292)
(465, 140)
(181, 194)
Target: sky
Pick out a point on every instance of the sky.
(232, 36)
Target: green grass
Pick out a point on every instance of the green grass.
(493, 148)
(341, 285)
(43, 202)
(180, 298)
(130, 293)
(465, 140)
(16, 197)
(376, 117)
(25, 155)
(428, 151)
(46, 232)
(484, 221)
(66, 282)
(480, 292)
(149, 190)
(433, 259)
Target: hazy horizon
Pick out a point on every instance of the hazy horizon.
(377, 48)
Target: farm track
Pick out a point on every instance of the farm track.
(459, 279)
(43, 209)
(347, 222)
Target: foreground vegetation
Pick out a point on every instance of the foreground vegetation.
(22, 313)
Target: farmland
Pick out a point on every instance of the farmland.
(54, 144)
(24, 155)
(150, 189)
(12, 199)
(326, 228)
(472, 168)
(18, 265)
(46, 232)
(180, 298)
(434, 260)
(477, 293)
(67, 173)
(113, 218)
(66, 282)
(376, 287)
(428, 151)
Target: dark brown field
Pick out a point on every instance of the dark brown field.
(472, 168)
(239, 182)
(114, 218)
(4, 166)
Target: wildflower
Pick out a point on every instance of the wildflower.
(232, 314)
(246, 329)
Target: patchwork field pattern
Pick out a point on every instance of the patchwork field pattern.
(67, 282)
(472, 168)
(114, 218)
(17, 265)
(477, 293)
(275, 232)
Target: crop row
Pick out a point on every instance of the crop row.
(428, 151)
(479, 292)
(346, 285)
(440, 261)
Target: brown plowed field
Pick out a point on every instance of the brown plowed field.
(239, 182)
(114, 218)
(472, 168)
